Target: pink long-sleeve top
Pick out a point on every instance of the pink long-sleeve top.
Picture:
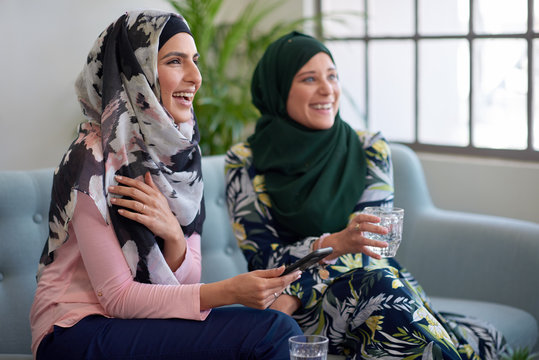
(91, 276)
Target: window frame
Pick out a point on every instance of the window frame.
(528, 154)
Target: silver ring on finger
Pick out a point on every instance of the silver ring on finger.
(276, 295)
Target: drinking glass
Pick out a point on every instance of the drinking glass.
(308, 347)
(391, 218)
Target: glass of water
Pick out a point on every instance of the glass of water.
(391, 218)
(308, 347)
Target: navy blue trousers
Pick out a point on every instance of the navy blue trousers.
(227, 333)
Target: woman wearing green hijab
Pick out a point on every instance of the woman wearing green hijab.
(299, 183)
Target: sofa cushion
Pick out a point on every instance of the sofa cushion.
(24, 207)
(518, 326)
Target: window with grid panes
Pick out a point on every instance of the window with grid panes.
(455, 76)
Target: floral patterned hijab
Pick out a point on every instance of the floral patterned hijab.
(128, 132)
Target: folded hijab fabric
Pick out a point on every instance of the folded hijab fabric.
(128, 132)
(313, 177)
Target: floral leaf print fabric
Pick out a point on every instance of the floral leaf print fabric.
(369, 309)
(128, 132)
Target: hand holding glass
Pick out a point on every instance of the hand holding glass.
(392, 220)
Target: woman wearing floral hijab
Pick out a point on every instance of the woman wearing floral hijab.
(299, 183)
(119, 275)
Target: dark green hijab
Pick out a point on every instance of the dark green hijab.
(314, 178)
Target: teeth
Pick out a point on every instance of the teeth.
(322, 106)
(183, 94)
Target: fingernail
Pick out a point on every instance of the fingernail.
(118, 177)
(113, 199)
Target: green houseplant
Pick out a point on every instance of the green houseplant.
(520, 354)
(229, 52)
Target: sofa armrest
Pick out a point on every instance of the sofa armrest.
(457, 254)
(461, 254)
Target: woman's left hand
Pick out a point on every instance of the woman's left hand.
(353, 240)
(145, 204)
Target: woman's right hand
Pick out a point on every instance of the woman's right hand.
(353, 240)
(256, 289)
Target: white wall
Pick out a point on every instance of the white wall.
(45, 44)
(488, 186)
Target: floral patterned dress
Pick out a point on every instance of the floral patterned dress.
(367, 308)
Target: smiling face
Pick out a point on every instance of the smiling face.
(179, 77)
(313, 99)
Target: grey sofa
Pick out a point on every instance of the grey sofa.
(472, 264)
